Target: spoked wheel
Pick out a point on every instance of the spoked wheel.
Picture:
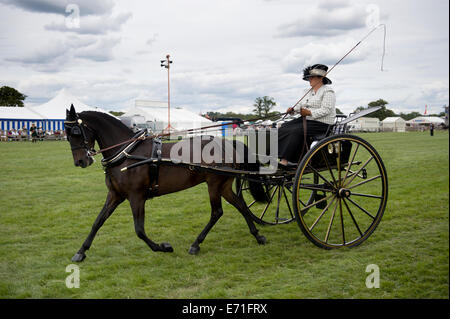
(345, 201)
(276, 207)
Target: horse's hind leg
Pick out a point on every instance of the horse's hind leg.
(112, 201)
(216, 213)
(240, 205)
(137, 204)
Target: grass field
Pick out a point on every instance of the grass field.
(47, 207)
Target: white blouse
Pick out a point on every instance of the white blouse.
(322, 104)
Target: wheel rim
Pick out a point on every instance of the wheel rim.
(350, 196)
(276, 210)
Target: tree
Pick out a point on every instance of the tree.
(11, 97)
(382, 113)
(263, 105)
(409, 116)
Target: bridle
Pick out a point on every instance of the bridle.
(77, 128)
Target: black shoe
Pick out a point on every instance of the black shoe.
(289, 167)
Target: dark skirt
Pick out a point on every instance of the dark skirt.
(290, 137)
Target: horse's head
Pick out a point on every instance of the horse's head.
(80, 137)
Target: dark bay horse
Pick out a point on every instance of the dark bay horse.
(85, 128)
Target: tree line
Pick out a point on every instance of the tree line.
(384, 112)
(263, 108)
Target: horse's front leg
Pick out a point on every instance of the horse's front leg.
(137, 204)
(112, 201)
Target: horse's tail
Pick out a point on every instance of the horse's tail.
(256, 188)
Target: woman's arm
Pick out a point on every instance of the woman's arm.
(327, 106)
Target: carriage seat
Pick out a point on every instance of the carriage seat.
(335, 128)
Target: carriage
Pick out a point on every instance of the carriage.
(336, 194)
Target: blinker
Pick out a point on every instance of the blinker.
(75, 130)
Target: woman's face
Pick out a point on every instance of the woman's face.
(315, 81)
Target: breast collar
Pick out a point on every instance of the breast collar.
(123, 153)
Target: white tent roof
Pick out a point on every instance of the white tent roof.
(56, 107)
(19, 113)
(180, 119)
(427, 119)
(393, 119)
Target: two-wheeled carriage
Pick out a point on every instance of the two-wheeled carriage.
(337, 194)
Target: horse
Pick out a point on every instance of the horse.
(85, 128)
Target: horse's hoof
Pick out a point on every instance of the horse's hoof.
(166, 247)
(78, 257)
(261, 240)
(194, 250)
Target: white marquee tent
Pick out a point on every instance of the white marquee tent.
(393, 124)
(155, 114)
(18, 118)
(54, 111)
(49, 116)
(426, 120)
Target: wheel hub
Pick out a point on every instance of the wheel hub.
(344, 193)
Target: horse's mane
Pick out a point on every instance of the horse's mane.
(111, 119)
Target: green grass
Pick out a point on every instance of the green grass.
(47, 207)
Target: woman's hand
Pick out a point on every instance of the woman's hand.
(290, 110)
(305, 112)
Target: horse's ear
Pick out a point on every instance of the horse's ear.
(72, 113)
(67, 114)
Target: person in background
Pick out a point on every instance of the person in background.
(34, 133)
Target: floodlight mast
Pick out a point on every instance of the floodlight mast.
(166, 63)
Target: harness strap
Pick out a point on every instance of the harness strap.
(123, 153)
(154, 167)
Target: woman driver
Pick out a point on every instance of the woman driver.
(319, 108)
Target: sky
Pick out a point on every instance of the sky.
(226, 53)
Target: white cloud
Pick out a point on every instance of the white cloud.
(100, 50)
(327, 53)
(326, 19)
(88, 7)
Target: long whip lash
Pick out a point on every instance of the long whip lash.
(259, 118)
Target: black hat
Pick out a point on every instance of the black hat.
(316, 70)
